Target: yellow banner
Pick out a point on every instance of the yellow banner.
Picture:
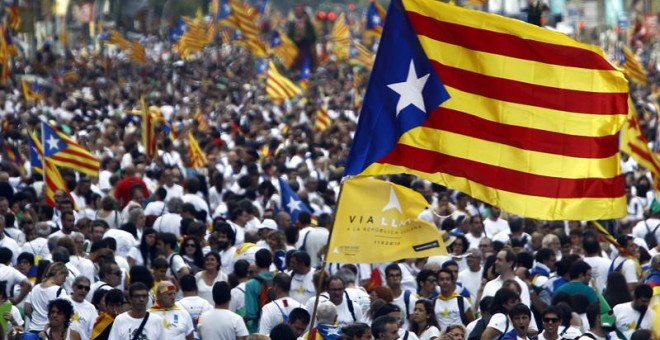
(379, 221)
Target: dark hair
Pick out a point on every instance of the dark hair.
(113, 297)
(590, 244)
(449, 263)
(5, 255)
(519, 309)
(579, 303)
(578, 268)
(543, 255)
(141, 274)
(446, 271)
(593, 313)
(134, 287)
(167, 239)
(643, 291)
(99, 294)
(423, 275)
(502, 296)
(304, 217)
(212, 254)
(466, 243)
(27, 257)
(566, 313)
(282, 281)
(432, 320)
(616, 290)
(488, 266)
(149, 253)
(263, 258)
(510, 257)
(355, 330)
(299, 314)
(188, 283)
(225, 228)
(241, 268)
(552, 310)
(160, 263)
(303, 257)
(642, 334)
(484, 304)
(387, 309)
(283, 332)
(379, 325)
(525, 259)
(65, 307)
(198, 255)
(221, 292)
(392, 267)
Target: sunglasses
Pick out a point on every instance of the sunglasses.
(551, 320)
(83, 287)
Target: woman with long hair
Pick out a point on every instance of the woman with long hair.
(60, 312)
(277, 242)
(616, 290)
(209, 276)
(145, 252)
(191, 252)
(50, 288)
(500, 323)
(112, 303)
(108, 212)
(424, 324)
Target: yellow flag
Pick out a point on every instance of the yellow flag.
(379, 221)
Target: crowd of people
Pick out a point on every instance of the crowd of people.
(151, 248)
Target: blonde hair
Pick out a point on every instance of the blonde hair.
(54, 269)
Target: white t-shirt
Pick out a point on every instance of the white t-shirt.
(124, 327)
(359, 297)
(500, 322)
(344, 316)
(302, 287)
(237, 297)
(471, 281)
(84, 317)
(205, 291)
(175, 263)
(97, 285)
(168, 223)
(227, 260)
(221, 324)
(37, 247)
(599, 270)
(39, 299)
(493, 228)
(316, 240)
(272, 314)
(627, 317)
(629, 269)
(400, 301)
(430, 333)
(136, 255)
(178, 323)
(155, 208)
(125, 241)
(10, 244)
(195, 306)
(12, 276)
(448, 312)
(174, 191)
(84, 266)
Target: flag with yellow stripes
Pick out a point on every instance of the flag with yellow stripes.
(634, 143)
(278, 87)
(195, 153)
(322, 120)
(341, 37)
(632, 68)
(512, 114)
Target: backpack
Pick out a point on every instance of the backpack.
(618, 267)
(651, 240)
(478, 329)
(406, 301)
(285, 317)
(266, 295)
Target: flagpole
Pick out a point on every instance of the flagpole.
(43, 157)
(325, 262)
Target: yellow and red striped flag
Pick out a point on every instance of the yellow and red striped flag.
(283, 48)
(149, 138)
(195, 153)
(634, 143)
(53, 180)
(632, 68)
(279, 87)
(512, 114)
(322, 120)
(203, 125)
(341, 37)
(245, 18)
(117, 39)
(137, 53)
(63, 151)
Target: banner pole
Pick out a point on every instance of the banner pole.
(312, 335)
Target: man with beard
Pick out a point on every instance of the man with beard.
(226, 238)
(634, 315)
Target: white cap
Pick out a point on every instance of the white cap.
(268, 224)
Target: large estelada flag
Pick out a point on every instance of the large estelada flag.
(61, 150)
(379, 221)
(512, 114)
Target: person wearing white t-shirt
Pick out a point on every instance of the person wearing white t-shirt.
(599, 265)
(237, 304)
(226, 238)
(302, 286)
(404, 299)
(127, 324)
(109, 277)
(85, 313)
(170, 220)
(450, 307)
(499, 322)
(8, 242)
(471, 276)
(634, 315)
(278, 310)
(494, 225)
(348, 312)
(165, 243)
(190, 302)
(173, 190)
(220, 323)
(178, 323)
(627, 265)
(11, 276)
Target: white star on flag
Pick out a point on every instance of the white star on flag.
(293, 205)
(393, 202)
(410, 90)
(52, 143)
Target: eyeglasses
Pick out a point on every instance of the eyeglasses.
(551, 320)
(82, 287)
(431, 280)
